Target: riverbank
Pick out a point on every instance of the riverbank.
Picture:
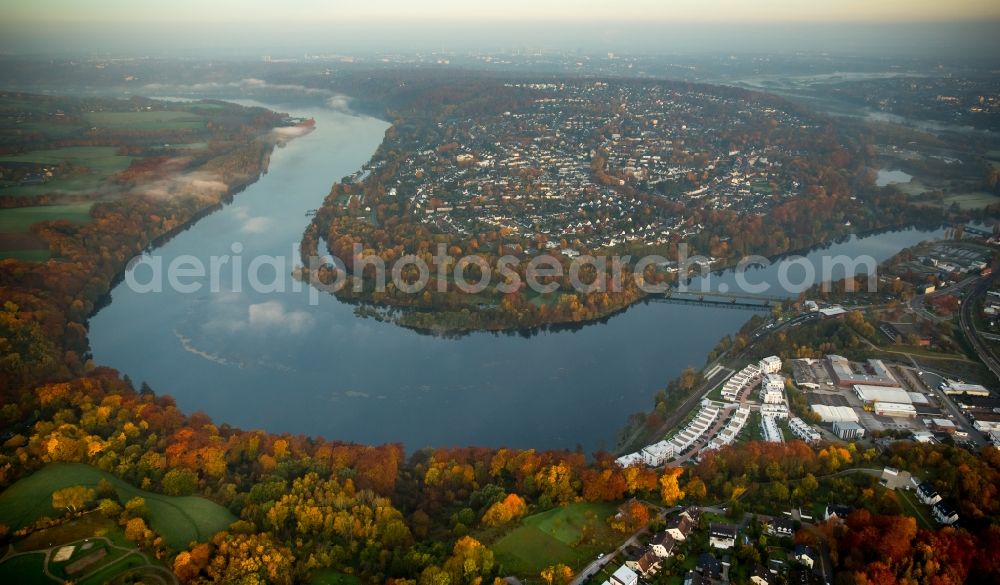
(478, 316)
(52, 302)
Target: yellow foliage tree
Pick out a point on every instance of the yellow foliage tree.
(670, 490)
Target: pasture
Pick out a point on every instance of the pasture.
(179, 520)
(145, 120)
(92, 165)
(557, 536)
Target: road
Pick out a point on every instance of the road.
(967, 323)
(597, 564)
(152, 571)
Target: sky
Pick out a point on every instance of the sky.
(134, 11)
(288, 27)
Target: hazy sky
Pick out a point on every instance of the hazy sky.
(242, 28)
(137, 11)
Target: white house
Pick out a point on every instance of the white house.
(624, 576)
(944, 514)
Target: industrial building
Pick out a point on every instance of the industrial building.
(869, 395)
(834, 414)
(844, 374)
(894, 409)
(956, 388)
(848, 430)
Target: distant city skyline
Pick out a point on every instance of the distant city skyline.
(548, 11)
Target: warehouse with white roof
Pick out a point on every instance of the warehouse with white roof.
(835, 413)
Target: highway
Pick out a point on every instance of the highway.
(967, 323)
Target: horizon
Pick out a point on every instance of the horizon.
(252, 29)
(519, 11)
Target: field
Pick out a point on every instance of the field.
(145, 120)
(24, 570)
(90, 534)
(551, 537)
(20, 219)
(179, 520)
(976, 200)
(16, 241)
(95, 164)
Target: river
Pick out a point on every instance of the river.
(278, 362)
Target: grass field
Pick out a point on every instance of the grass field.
(85, 526)
(20, 219)
(24, 570)
(976, 200)
(100, 162)
(145, 120)
(551, 537)
(179, 520)
(17, 242)
(122, 564)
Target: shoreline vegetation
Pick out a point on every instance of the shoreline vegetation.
(46, 304)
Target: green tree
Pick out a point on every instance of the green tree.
(180, 482)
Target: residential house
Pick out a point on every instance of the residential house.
(646, 565)
(927, 494)
(722, 536)
(781, 527)
(662, 545)
(760, 576)
(709, 566)
(680, 527)
(693, 578)
(837, 512)
(944, 514)
(624, 576)
(805, 555)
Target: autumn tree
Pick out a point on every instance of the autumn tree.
(510, 508)
(632, 516)
(670, 491)
(73, 498)
(559, 574)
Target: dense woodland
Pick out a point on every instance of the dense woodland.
(307, 503)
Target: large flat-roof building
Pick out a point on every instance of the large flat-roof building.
(869, 395)
(833, 414)
(894, 409)
(957, 388)
(844, 374)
